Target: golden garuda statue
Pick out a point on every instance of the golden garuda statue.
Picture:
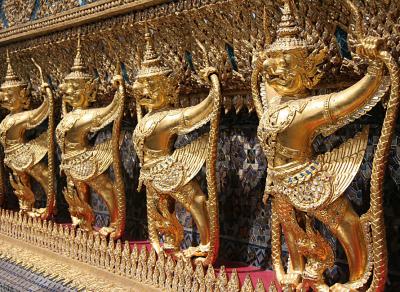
(85, 165)
(168, 173)
(305, 186)
(26, 159)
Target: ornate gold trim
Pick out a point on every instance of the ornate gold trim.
(73, 18)
(60, 268)
(92, 263)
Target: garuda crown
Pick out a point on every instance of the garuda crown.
(288, 33)
(12, 80)
(151, 65)
(78, 69)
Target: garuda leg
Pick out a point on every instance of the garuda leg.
(303, 243)
(77, 196)
(195, 201)
(170, 225)
(103, 186)
(40, 173)
(292, 231)
(161, 218)
(154, 218)
(346, 225)
(20, 181)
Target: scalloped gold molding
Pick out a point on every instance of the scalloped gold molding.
(60, 268)
(90, 262)
(73, 18)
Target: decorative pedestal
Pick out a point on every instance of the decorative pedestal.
(64, 258)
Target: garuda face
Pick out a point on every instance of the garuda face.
(153, 92)
(285, 72)
(15, 99)
(79, 93)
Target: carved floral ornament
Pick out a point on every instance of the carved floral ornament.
(18, 11)
(233, 36)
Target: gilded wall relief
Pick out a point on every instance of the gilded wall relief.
(233, 32)
(19, 11)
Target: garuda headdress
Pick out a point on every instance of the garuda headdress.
(151, 65)
(288, 33)
(12, 80)
(289, 39)
(78, 69)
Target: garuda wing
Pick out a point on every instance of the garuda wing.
(179, 168)
(344, 162)
(325, 179)
(192, 157)
(20, 157)
(90, 163)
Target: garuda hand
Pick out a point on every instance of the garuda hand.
(370, 47)
(117, 80)
(207, 72)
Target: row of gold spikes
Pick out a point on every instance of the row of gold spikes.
(116, 257)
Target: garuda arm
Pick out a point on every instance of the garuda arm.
(196, 116)
(106, 115)
(182, 121)
(334, 111)
(38, 115)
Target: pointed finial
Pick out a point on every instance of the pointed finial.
(11, 80)
(78, 69)
(150, 53)
(151, 65)
(288, 26)
(10, 71)
(78, 62)
(288, 32)
(272, 287)
(222, 279)
(260, 286)
(133, 260)
(234, 282)
(247, 285)
(118, 248)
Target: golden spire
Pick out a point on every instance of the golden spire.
(11, 80)
(150, 53)
(151, 65)
(78, 69)
(288, 32)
